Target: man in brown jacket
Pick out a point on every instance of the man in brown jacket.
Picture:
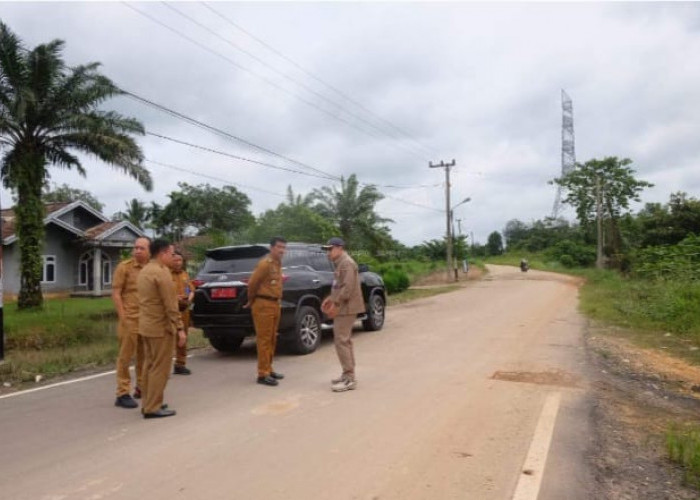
(159, 325)
(126, 302)
(346, 302)
(264, 299)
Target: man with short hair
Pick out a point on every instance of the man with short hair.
(185, 294)
(264, 299)
(159, 326)
(344, 304)
(126, 302)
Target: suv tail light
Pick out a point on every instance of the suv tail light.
(284, 278)
(224, 293)
(197, 283)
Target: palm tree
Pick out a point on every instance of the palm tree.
(352, 210)
(48, 112)
(137, 212)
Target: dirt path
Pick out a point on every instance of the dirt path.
(454, 401)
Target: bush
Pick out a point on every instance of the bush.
(395, 280)
(571, 254)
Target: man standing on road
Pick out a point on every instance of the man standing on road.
(185, 294)
(159, 325)
(344, 304)
(126, 302)
(264, 299)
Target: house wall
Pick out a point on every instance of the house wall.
(57, 242)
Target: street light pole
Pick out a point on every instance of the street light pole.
(452, 227)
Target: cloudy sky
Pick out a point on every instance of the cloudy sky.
(381, 89)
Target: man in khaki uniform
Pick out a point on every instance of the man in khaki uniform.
(345, 302)
(126, 302)
(185, 294)
(159, 325)
(265, 297)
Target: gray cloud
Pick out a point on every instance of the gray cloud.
(476, 82)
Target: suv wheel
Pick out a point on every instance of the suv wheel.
(375, 313)
(307, 331)
(226, 344)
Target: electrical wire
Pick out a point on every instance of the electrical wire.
(284, 75)
(250, 72)
(316, 78)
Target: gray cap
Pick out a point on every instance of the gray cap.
(334, 242)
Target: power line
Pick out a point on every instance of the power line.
(250, 72)
(314, 77)
(235, 157)
(212, 177)
(281, 73)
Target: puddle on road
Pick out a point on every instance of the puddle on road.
(277, 407)
(558, 378)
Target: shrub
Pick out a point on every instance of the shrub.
(395, 280)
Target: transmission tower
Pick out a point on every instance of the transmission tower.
(568, 150)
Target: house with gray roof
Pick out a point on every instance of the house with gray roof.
(82, 247)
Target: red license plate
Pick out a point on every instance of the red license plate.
(223, 293)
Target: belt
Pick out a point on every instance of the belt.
(267, 297)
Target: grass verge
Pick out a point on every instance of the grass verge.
(413, 294)
(683, 447)
(65, 336)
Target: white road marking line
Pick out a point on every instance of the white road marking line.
(57, 384)
(66, 382)
(532, 472)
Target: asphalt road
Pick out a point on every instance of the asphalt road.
(428, 420)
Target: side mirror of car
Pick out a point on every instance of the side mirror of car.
(362, 268)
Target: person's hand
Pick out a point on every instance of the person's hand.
(181, 338)
(329, 308)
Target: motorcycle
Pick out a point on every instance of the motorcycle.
(524, 266)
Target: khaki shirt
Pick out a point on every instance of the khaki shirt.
(266, 280)
(124, 280)
(183, 287)
(158, 313)
(346, 291)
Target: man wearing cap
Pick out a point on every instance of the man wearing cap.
(264, 299)
(345, 302)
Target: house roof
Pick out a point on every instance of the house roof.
(55, 210)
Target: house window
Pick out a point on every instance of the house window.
(106, 270)
(49, 269)
(84, 270)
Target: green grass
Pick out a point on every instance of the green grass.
(413, 294)
(683, 446)
(65, 336)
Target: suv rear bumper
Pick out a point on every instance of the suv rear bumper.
(240, 324)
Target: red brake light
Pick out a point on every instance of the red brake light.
(197, 283)
(284, 278)
(223, 293)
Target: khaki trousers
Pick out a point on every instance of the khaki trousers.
(158, 353)
(342, 337)
(266, 318)
(129, 345)
(181, 352)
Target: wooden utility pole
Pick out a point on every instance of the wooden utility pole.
(447, 167)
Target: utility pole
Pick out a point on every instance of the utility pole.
(459, 226)
(447, 167)
(599, 223)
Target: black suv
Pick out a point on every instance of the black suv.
(307, 273)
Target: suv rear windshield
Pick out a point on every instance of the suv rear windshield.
(244, 259)
(233, 260)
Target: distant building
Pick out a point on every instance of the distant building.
(82, 247)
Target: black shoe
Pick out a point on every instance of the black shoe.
(267, 380)
(160, 414)
(126, 401)
(137, 393)
(181, 370)
(162, 407)
(276, 376)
